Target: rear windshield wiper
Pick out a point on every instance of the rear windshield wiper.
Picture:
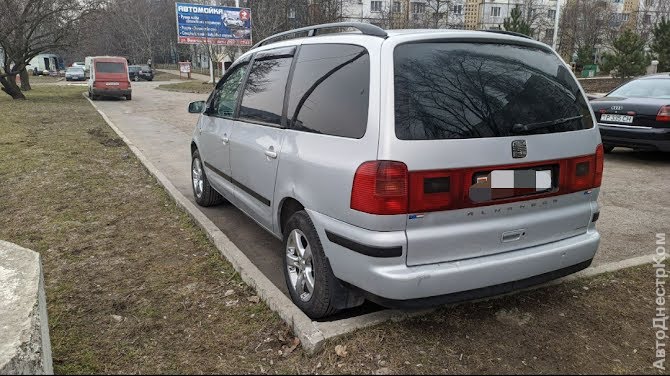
(518, 128)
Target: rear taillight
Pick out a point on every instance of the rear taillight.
(380, 187)
(663, 114)
(600, 165)
(434, 190)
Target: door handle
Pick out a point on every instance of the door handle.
(271, 153)
(225, 139)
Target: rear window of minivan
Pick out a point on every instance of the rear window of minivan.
(108, 67)
(476, 90)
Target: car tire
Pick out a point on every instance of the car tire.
(129, 97)
(608, 148)
(308, 261)
(203, 193)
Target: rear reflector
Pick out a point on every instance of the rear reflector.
(663, 114)
(388, 188)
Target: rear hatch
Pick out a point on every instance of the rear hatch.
(500, 146)
(111, 75)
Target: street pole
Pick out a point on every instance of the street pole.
(558, 16)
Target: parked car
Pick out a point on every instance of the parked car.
(232, 19)
(140, 72)
(79, 64)
(109, 78)
(75, 74)
(468, 165)
(636, 115)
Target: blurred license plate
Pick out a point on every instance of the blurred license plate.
(112, 84)
(617, 118)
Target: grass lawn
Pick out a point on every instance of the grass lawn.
(44, 79)
(164, 76)
(191, 86)
(134, 287)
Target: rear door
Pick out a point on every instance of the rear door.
(255, 148)
(489, 133)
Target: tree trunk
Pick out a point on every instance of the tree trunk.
(25, 80)
(9, 86)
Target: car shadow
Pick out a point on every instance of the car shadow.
(648, 157)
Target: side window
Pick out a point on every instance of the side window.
(224, 99)
(330, 89)
(263, 98)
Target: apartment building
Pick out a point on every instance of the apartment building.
(491, 14)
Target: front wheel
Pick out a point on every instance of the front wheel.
(310, 280)
(204, 194)
(608, 148)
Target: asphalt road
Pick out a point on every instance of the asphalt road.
(634, 196)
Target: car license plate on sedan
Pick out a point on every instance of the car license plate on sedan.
(616, 118)
(112, 84)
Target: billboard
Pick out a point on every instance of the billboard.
(228, 26)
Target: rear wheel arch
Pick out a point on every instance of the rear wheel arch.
(194, 147)
(287, 208)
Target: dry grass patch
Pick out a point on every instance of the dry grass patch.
(191, 86)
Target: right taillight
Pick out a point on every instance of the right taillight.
(600, 165)
(380, 187)
(663, 114)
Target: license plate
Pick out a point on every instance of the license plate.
(501, 184)
(112, 84)
(616, 118)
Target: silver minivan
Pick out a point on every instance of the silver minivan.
(407, 167)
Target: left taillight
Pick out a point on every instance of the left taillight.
(663, 114)
(380, 187)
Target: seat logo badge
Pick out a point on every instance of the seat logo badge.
(519, 149)
(616, 108)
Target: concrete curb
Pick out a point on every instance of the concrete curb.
(312, 334)
(304, 328)
(25, 345)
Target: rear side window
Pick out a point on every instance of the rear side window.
(263, 98)
(459, 90)
(330, 89)
(103, 67)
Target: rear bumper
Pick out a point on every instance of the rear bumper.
(111, 92)
(390, 281)
(635, 137)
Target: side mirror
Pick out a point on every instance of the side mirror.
(196, 107)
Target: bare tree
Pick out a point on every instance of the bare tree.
(585, 24)
(30, 27)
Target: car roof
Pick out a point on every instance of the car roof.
(404, 34)
(655, 76)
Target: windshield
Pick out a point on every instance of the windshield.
(75, 70)
(134, 68)
(648, 88)
(476, 90)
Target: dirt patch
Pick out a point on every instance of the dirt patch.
(192, 86)
(134, 287)
(104, 137)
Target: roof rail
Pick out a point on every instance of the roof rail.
(513, 33)
(365, 28)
